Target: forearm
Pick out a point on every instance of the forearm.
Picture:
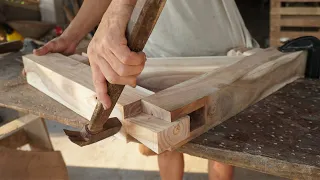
(88, 17)
(121, 9)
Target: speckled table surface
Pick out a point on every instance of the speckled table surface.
(279, 135)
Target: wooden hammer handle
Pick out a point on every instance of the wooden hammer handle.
(141, 24)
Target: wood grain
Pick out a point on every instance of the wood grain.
(192, 94)
(63, 79)
(157, 134)
(80, 58)
(26, 165)
(162, 73)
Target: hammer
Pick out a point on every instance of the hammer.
(143, 20)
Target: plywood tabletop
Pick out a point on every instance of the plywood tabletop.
(279, 135)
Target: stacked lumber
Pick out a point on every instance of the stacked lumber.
(210, 90)
(291, 19)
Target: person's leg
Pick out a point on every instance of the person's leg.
(171, 165)
(219, 171)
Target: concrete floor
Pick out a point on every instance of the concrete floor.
(115, 160)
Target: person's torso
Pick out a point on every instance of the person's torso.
(197, 28)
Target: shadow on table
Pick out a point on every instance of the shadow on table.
(85, 173)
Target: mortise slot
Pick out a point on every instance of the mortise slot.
(197, 119)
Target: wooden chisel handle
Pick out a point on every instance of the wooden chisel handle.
(141, 24)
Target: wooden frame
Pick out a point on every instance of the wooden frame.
(169, 118)
(293, 17)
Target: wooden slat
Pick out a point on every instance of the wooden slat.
(292, 35)
(300, 21)
(162, 73)
(276, 36)
(186, 97)
(296, 11)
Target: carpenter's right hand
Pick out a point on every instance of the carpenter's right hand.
(62, 44)
(109, 55)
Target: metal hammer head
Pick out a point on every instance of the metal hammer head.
(86, 137)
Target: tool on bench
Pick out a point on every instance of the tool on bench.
(100, 127)
(11, 46)
(312, 45)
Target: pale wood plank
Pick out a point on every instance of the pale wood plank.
(187, 97)
(63, 79)
(162, 73)
(82, 59)
(70, 82)
(157, 134)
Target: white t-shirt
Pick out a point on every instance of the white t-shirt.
(198, 28)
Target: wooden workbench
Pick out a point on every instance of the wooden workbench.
(279, 135)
